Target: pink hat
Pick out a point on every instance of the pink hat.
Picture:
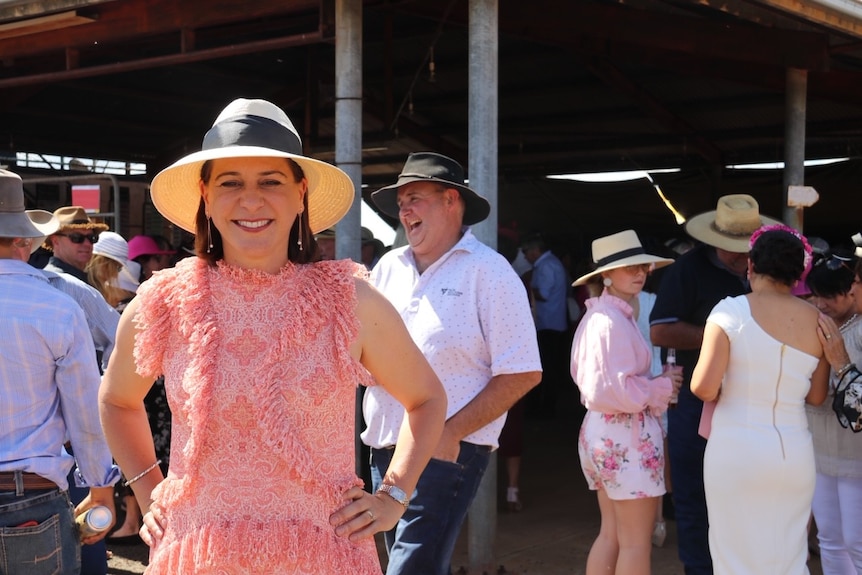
(145, 246)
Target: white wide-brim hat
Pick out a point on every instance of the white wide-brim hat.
(127, 279)
(618, 251)
(112, 245)
(249, 129)
(730, 225)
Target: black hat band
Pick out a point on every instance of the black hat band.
(252, 131)
(620, 255)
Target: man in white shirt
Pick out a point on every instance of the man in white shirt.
(468, 312)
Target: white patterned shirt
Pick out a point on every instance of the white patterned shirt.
(469, 315)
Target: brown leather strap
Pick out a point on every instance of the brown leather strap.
(30, 481)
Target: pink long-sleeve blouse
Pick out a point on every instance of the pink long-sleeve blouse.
(611, 361)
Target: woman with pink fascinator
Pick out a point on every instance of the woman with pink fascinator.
(762, 361)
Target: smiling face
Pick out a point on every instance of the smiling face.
(431, 215)
(254, 203)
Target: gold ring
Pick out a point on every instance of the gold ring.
(370, 514)
(828, 336)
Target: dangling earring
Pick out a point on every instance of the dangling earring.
(299, 231)
(209, 235)
(607, 282)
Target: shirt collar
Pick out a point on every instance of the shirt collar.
(17, 267)
(468, 243)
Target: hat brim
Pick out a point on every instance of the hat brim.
(629, 261)
(28, 224)
(701, 227)
(176, 193)
(476, 207)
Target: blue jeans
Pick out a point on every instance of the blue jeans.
(423, 541)
(686, 448)
(51, 546)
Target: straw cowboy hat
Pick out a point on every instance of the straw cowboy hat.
(15, 221)
(618, 251)
(245, 129)
(431, 167)
(76, 218)
(730, 225)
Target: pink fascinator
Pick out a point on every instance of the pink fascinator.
(800, 288)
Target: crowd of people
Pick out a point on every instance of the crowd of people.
(207, 398)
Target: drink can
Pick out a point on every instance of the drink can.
(671, 360)
(94, 520)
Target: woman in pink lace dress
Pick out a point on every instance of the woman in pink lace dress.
(262, 351)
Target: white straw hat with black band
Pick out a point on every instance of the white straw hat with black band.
(618, 251)
(245, 129)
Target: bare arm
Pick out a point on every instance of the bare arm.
(386, 349)
(819, 384)
(499, 395)
(712, 363)
(678, 334)
(121, 409)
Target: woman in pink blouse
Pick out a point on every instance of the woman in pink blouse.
(620, 443)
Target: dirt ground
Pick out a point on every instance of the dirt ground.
(553, 533)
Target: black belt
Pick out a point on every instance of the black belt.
(28, 480)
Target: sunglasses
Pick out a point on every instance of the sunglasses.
(835, 263)
(637, 268)
(77, 238)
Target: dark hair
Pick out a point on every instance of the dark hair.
(779, 255)
(535, 240)
(206, 233)
(832, 274)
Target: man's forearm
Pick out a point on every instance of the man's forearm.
(501, 393)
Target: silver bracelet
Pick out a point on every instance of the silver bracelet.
(142, 473)
(847, 367)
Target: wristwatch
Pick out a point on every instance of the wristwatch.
(395, 493)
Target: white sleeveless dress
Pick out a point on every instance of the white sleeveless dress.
(759, 462)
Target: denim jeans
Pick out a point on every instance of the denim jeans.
(423, 541)
(686, 449)
(49, 547)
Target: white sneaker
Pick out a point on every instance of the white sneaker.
(659, 533)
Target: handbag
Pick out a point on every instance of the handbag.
(847, 402)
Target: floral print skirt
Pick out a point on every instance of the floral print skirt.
(623, 454)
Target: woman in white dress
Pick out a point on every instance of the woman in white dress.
(762, 360)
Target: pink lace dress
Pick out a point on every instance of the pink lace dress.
(261, 384)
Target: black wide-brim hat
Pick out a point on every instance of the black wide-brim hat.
(433, 167)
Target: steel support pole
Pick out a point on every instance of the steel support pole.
(482, 172)
(348, 146)
(348, 118)
(794, 141)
